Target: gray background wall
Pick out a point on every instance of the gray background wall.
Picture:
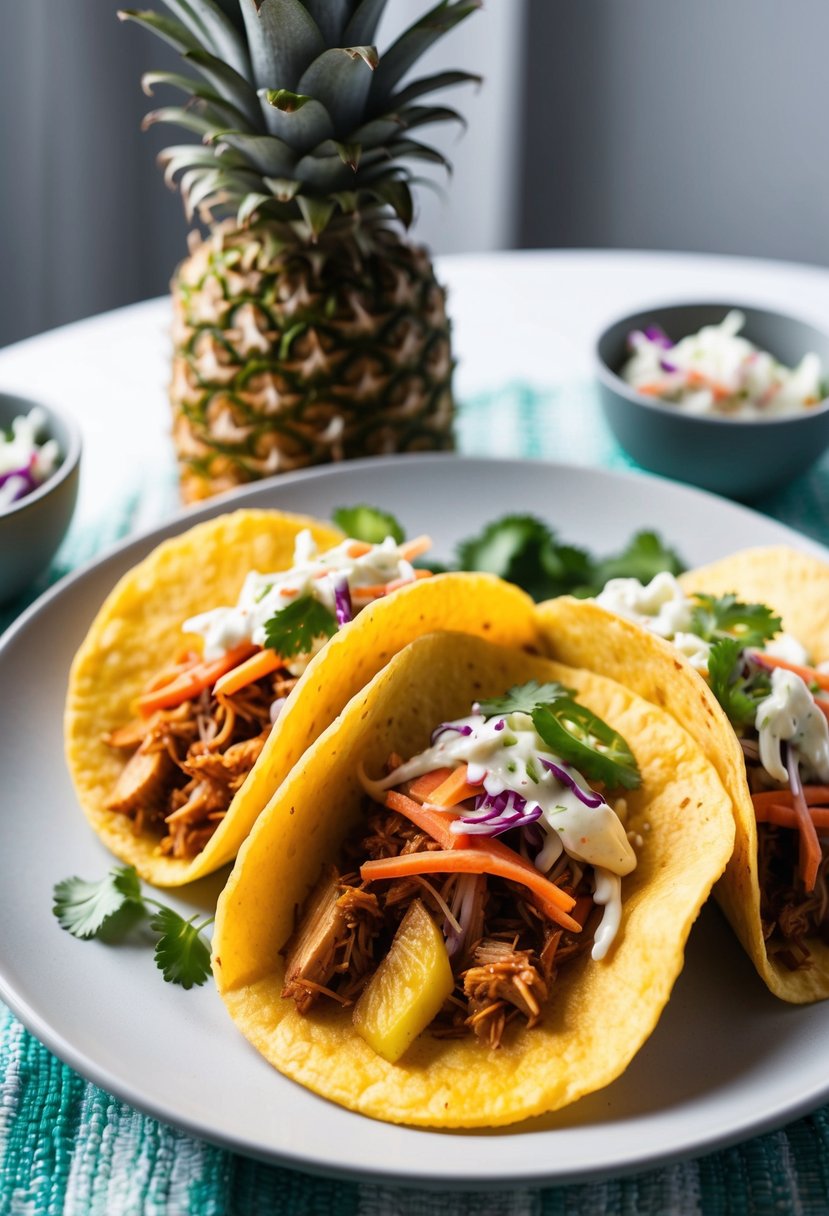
(692, 124)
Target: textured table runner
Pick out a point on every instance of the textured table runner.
(67, 1147)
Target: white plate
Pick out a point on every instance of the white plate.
(726, 1061)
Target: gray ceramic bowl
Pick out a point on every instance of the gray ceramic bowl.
(32, 528)
(739, 459)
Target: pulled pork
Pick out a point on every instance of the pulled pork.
(505, 966)
(788, 914)
(187, 763)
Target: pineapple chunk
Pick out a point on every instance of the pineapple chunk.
(408, 988)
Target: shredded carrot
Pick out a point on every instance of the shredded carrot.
(433, 822)
(651, 390)
(191, 682)
(375, 591)
(785, 816)
(258, 665)
(358, 548)
(803, 820)
(422, 787)
(809, 674)
(456, 788)
(480, 859)
(815, 795)
(411, 549)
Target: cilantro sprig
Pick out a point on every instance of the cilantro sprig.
(91, 909)
(737, 685)
(524, 550)
(524, 698)
(293, 629)
(369, 524)
(725, 616)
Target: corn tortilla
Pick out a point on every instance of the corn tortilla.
(138, 632)
(600, 1013)
(796, 586)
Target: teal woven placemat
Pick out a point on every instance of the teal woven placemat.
(68, 1148)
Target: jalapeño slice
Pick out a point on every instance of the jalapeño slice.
(598, 751)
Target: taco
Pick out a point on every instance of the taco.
(440, 920)
(743, 636)
(209, 670)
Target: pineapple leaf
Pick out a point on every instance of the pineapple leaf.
(324, 174)
(429, 84)
(331, 17)
(185, 84)
(411, 149)
(283, 38)
(350, 155)
(213, 30)
(398, 196)
(316, 212)
(171, 31)
(409, 47)
(284, 188)
(250, 204)
(177, 116)
(300, 121)
(233, 87)
(378, 133)
(363, 25)
(196, 186)
(264, 153)
(340, 79)
(346, 200)
(424, 116)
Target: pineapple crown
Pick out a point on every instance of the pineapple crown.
(302, 122)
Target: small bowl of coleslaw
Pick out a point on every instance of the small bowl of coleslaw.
(39, 472)
(733, 399)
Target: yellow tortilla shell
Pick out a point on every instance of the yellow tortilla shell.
(582, 633)
(600, 1013)
(138, 632)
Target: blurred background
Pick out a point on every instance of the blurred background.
(634, 124)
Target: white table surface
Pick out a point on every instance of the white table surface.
(527, 316)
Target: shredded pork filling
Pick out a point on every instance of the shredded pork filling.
(790, 916)
(505, 964)
(186, 764)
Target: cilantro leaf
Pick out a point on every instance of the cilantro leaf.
(523, 550)
(646, 555)
(369, 524)
(83, 908)
(739, 694)
(181, 952)
(91, 909)
(524, 698)
(293, 629)
(725, 616)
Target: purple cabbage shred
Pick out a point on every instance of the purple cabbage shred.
(444, 726)
(586, 796)
(342, 602)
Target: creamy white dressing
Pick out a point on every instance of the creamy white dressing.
(506, 753)
(313, 574)
(789, 714)
(662, 607)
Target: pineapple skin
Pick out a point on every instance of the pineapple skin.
(289, 355)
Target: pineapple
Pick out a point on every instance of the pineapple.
(306, 327)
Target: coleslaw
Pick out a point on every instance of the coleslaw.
(716, 371)
(24, 463)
